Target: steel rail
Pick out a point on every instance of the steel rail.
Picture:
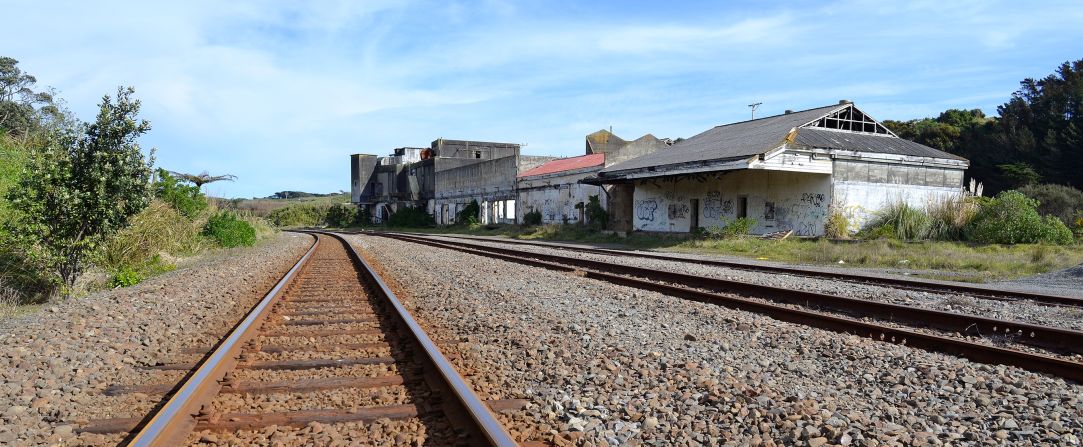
(484, 422)
(901, 283)
(955, 346)
(173, 421)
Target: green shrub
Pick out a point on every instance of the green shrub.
(597, 216)
(469, 214)
(187, 199)
(1012, 218)
(877, 232)
(533, 217)
(341, 215)
(1061, 201)
(411, 218)
(906, 222)
(737, 227)
(125, 277)
(299, 215)
(229, 230)
(837, 226)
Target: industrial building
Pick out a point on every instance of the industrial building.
(787, 172)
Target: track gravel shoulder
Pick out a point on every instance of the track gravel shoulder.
(609, 365)
(54, 365)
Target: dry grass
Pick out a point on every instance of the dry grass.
(10, 299)
(159, 229)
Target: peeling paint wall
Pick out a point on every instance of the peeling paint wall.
(556, 195)
(861, 188)
(777, 200)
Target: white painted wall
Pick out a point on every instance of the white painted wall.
(860, 189)
(799, 201)
(558, 202)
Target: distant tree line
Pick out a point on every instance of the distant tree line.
(1037, 137)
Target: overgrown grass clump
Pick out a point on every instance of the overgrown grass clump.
(299, 215)
(229, 231)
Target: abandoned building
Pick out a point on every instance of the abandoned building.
(787, 172)
(441, 179)
(553, 189)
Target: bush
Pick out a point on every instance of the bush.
(298, 215)
(1012, 218)
(469, 214)
(738, 227)
(837, 225)
(1061, 201)
(597, 217)
(184, 198)
(229, 230)
(125, 277)
(533, 217)
(342, 215)
(905, 221)
(411, 218)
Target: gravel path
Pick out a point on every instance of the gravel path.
(1025, 311)
(55, 364)
(610, 365)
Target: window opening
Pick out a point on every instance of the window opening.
(850, 119)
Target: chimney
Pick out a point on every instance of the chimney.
(788, 111)
(845, 101)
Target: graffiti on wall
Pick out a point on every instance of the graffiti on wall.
(712, 205)
(768, 210)
(727, 207)
(645, 209)
(678, 210)
(806, 216)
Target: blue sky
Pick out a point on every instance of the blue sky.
(280, 93)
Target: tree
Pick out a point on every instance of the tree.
(23, 110)
(203, 178)
(83, 185)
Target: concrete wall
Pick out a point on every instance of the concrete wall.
(361, 167)
(556, 195)
(482, 150)
(860, 188)
(777, 200)
(490, 182)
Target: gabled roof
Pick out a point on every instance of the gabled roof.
(749, 138)
(566, 164)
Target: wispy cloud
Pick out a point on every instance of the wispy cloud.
(280, 92)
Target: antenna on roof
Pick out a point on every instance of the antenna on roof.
(754, 106)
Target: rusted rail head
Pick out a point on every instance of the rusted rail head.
(617, 274)
(172, 423)
(915, 284)
(485, 424)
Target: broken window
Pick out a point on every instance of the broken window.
(477, 154)
(850, 119)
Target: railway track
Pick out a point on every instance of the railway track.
(330, 344)
(927, 329)
(896, 283)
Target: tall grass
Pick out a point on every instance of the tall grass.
(903, 220)
(949, 216)
(10, 299)
(158, 229)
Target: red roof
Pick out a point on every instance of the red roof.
(566, 164)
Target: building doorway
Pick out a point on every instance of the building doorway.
(693, 216)
(742, 207)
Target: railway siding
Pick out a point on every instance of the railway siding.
(607, 362)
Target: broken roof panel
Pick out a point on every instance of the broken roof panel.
(754, 137)
(860, 142)
(566, 164)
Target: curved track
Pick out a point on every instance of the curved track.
(825, 311)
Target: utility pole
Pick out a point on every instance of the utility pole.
(754, 106)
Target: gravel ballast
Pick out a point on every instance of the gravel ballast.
(1023, 311)
(609, 365)
(55, 364)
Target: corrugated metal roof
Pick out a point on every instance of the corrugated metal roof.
(746, 138)
(750, 138)
(566, 164)
(860, 142)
